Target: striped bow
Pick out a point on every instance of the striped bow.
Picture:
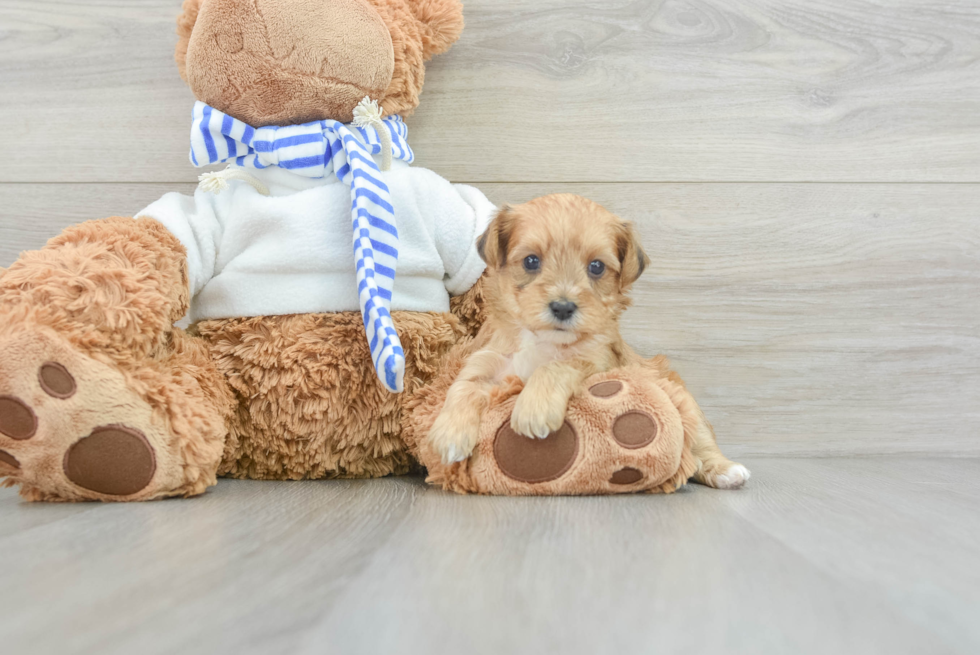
(315, 150)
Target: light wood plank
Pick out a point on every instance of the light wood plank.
(30, 214)
(807, 319)
(770, 90)
(244, 569)
(872, 555)
(674, 574)
(894, 512)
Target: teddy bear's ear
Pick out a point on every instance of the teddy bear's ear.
(185, 25)
(440, 24)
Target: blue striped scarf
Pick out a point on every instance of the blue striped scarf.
(315, 150)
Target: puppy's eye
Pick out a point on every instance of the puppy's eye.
(532, 263)
(596, 268)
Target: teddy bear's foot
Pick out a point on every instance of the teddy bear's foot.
(628, 432)
(74, 428)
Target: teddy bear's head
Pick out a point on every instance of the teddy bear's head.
(283, 62)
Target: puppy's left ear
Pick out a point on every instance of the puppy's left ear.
(492, 244)
(632, 259)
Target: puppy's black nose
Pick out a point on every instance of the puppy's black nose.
(563, 309)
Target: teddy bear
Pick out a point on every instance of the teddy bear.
(324, 274)
(333, 290)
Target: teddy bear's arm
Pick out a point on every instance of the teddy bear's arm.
(460, 215)
(196, 222)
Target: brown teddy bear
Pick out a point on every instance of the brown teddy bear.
(329, 281)
(102, 398)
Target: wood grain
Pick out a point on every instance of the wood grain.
(911, 517)
(807, 318)
(872, 555)
(624, 90)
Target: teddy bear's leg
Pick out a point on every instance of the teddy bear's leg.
(311, 405)
(100, 397)
(628, 431)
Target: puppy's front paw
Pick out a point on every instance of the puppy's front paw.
(537, 415)
(453, 438)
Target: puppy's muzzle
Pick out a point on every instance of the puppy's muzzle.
(562, 309)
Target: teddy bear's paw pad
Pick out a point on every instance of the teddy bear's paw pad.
(606, 389)
(56, 381)
(535, 460)
(626, 475)
(74, 428)
(8, 462)
(114, 460)
(634, 429)
(17, 419)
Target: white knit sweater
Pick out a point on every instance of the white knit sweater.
(291, 252)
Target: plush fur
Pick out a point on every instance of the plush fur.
(248, 60)
(307, 406)
(112, 287)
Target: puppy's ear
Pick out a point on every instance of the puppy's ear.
(492, 244)
(632, 259)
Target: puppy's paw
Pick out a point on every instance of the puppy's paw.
(537, 415)
(453, 439)
(723, 475)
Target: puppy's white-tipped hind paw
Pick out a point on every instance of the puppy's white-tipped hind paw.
(734, 477)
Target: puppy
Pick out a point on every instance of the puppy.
(560, 267)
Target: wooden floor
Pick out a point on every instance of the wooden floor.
(838, 555)
(806, 178)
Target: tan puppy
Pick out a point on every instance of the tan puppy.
(560, 268)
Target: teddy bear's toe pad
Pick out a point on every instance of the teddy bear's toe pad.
(606, 389)
(634, 429)
(56, 381)
(626, 475)
(17, 419)
(9, 461)
(535, 460)
(113, 460)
